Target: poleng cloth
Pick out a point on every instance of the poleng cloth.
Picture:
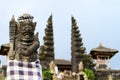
(17, 70)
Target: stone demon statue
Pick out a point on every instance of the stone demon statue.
(23, 42)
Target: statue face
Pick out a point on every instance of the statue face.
(27, 31)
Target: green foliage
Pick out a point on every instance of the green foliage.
(46, 74)
(90, 74)
(3, 77)
(87, 61)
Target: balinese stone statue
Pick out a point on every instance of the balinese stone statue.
(23, 42)
(81, 67)
(81, 74)
(52, 67)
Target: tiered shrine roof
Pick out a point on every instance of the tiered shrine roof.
(104, 51)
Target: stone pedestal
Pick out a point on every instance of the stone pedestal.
(54, 77)
(82, 76)
(110, 77)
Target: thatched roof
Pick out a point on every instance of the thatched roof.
(101, 50)
(62, 62)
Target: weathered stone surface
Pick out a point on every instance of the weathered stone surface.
(104, 74)
(47, 50)
(78, 50)
(23, 42)
(52, 67)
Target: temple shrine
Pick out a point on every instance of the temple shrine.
(102, 56)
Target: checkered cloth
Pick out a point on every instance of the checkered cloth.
(17, 70)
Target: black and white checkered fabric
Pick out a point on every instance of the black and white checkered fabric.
(17, 70)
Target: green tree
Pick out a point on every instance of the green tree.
(90, 74)
(46, 74)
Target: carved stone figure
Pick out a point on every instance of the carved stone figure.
(52, 67)
(81, 67)
(23, 42)
(110, 77)
(81, 74)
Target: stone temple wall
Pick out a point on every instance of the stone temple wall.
(104, 74)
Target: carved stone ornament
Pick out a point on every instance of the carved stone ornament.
(52, 67)
(23, 42)
(81, 67)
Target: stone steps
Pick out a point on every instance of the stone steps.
(69, 78)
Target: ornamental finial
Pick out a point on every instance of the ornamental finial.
(25, 18)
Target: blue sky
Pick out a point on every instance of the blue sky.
(98, 21)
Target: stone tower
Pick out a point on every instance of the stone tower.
(47, 50)
(76, 42)
(78, 51)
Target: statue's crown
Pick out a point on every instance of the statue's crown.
(25, 18)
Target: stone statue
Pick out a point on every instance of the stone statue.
(81, 75)
(81, 67)
(110, 77)
(52, 67)
(53, 70)
(23, 42)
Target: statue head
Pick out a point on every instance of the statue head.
(26, 27)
